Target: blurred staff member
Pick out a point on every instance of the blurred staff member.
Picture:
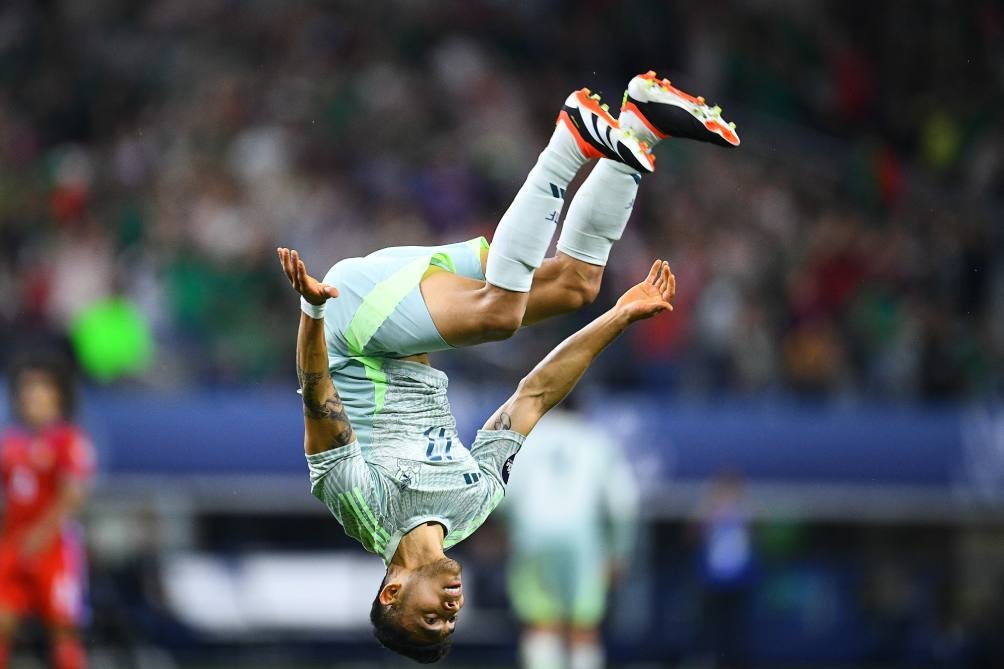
(45, 463)
(572, 516)
(727, 563)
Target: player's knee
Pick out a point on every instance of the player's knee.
(501, 319)
(502, 326)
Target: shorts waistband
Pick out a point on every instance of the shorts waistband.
(416, 371)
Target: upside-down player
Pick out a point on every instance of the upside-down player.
(380, 438)
(45, 462)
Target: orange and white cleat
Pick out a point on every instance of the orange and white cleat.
(599, 135)
(654, 109)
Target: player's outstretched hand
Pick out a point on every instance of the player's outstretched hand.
(652, 296)
(312, 290)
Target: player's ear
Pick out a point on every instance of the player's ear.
(389, 593)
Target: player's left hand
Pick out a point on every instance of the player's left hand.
(652, 296)
(312, 290)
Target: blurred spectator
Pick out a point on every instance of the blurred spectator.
(848, 250)
(152, 155)
(727, 562)
(572, 513)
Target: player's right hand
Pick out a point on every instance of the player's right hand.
(312, 290)
(652, 296)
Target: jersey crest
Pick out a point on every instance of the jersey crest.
(407, 472)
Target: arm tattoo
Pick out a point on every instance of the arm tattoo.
(503, 422)
(321, 402)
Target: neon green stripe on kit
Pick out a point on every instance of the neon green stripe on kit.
(380, 303)
(377, 542)
(370, 515)
(374, 372)
(443, 260)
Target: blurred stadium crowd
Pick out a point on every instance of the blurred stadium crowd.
(152, 155)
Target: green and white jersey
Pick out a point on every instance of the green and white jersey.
(408, 466)
(416, 470)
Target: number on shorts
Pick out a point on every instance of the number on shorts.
(439, 445)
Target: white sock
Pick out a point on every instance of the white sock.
(599, 212)
(541, 650)
(525, 231)
(586, 656)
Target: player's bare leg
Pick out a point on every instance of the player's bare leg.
(466, 311)
(522, 287)
(561, 285)
(653, 110)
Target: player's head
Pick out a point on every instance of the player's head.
(415, 611)
(41, 390)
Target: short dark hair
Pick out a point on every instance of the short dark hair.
(57, 368)
(388, 631)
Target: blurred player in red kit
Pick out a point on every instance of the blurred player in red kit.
(45, 464)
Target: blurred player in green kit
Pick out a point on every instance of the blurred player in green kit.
(572, 516)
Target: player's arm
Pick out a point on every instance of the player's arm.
(325, 424)
(555, 376)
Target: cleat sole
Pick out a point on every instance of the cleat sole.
(648, 88)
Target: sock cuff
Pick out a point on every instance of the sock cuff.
(508, 273)
(582, 246)
(599, 212)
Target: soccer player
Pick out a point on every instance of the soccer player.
(572, 515)
(380, 438)
(45, 462)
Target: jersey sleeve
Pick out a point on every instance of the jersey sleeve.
(77, 457)
(495, 451)
(345, 482)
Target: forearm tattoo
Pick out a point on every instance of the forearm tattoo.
(321, 402)
(503, 422)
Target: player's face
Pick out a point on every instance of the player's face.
(434, 598)
(38, 398)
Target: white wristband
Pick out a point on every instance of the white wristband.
(315, 311)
